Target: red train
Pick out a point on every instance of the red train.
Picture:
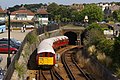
(46, 50)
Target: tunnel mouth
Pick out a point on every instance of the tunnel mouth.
(72, 37)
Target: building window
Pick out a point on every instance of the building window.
(21, 16)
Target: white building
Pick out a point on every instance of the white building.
(41, 17)
(2, 14)
(103, 5)
(21, 17)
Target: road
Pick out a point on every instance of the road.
(17, 34)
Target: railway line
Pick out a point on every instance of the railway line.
(69, 69)
(48, 75)
(73, 70)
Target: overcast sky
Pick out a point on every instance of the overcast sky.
(10, 3)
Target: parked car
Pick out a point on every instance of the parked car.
(4, 49)
(13, 42)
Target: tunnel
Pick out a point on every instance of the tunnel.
(72, 37)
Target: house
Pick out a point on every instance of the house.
(41, 17)
(109, 34)
(103, 5)
(22, 17)
(2, 14)
(112, 31)
(116, 29)
(77, 7)
(110, 9)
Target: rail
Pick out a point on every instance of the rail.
(87, 76)
(57, 75)
(67, 68)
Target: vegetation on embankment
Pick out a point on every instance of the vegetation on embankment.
(107, 51)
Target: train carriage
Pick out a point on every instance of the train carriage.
(45, 53)
(46, 50)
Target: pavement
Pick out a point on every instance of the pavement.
(18, 35)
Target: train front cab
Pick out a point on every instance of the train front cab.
(46, 60)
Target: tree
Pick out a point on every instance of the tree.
(116, 53)
(58, 18)
(116, 15)
(64, 12)
(52, 8)
(94, 25)
(93, 35)
(75, 15)
(93, 12)
(106, 46)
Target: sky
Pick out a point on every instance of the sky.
(10, 3)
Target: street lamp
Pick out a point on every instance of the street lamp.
(8, 58)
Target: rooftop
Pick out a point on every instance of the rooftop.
(22, 10)
(42, 11)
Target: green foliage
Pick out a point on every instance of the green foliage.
(52, 9)
(32, 38)
(116, 15)
(118, 72)
(93, 12)
(95, 26)
(93, 37)
(20, 68)
(33, 7)
(59, 13)
(116, 53)
(94, 34)
(75, 16)
(64, 12)
(106, 46)
(16, 7)
(26, 55)
(117, 3)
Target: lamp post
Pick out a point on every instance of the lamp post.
(8, 58)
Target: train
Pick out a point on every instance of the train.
(46, 51)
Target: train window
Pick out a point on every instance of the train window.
(41, 55)
(51, 55)
(46, 54)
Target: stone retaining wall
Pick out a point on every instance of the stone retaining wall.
(23, 55)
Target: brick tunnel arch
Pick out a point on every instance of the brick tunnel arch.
(72, 37)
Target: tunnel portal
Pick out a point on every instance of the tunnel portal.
(72, 37)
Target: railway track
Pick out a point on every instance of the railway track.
(48, 75)
(69, 71)
(73, 70)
